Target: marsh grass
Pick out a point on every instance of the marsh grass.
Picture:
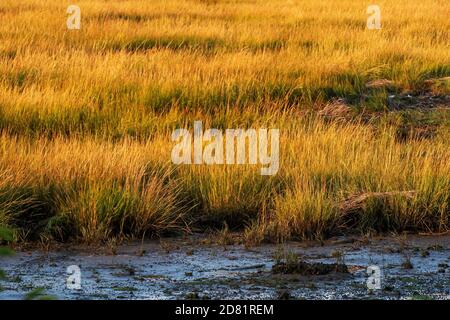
(86, 116)
(91, 189)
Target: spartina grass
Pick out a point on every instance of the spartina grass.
(86, 117)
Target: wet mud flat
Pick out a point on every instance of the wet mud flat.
(411, 267)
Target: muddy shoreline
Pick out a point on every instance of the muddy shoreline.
(411, 267)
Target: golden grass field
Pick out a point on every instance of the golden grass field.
(86, 117)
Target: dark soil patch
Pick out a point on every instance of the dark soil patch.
(418, 101)
(308, 269)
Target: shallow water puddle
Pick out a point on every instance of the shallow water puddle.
(412, 267)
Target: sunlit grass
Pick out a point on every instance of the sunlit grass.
(86, 117)
(93, 189)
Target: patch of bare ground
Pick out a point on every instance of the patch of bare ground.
(380, 83)
(309, 268)
(337, 110)
(425, 100)
(428, 95)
